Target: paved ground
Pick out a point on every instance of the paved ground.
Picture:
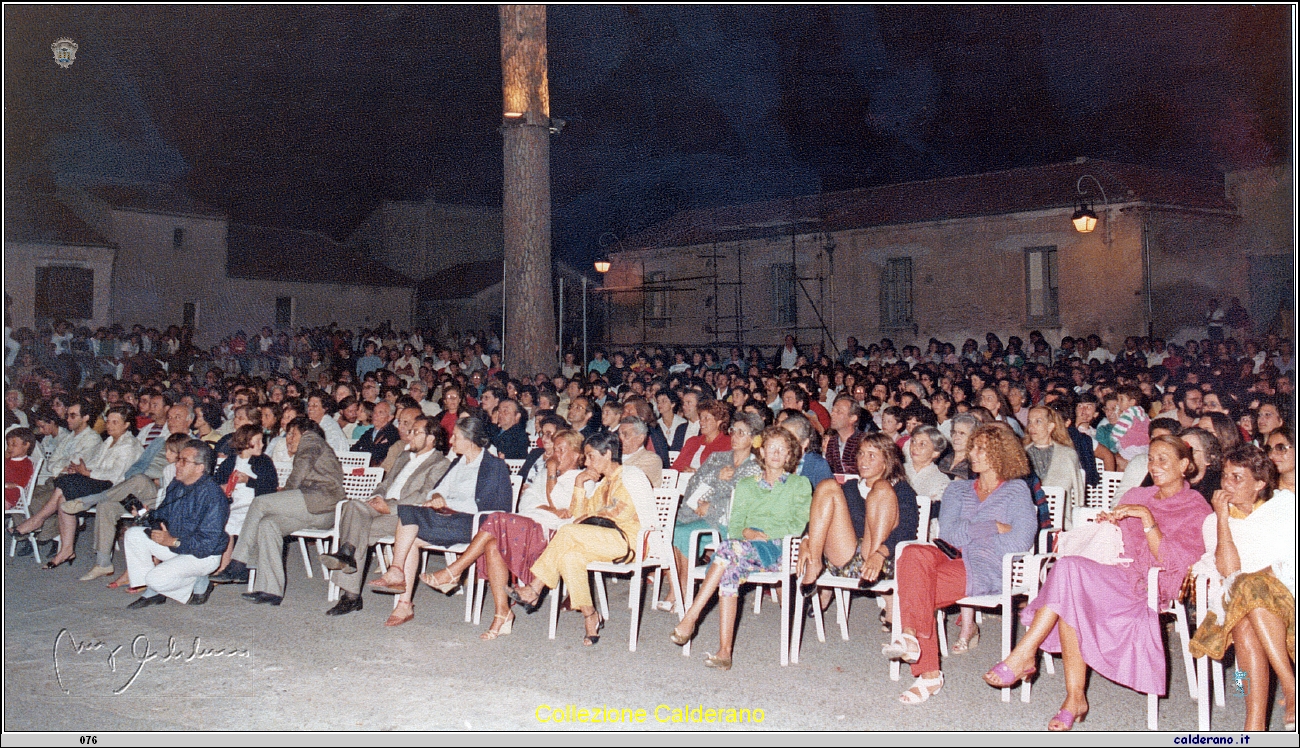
(298, 669)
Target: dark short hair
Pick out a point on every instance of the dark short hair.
(1171, 425)
(1257, 462)
(433, 427)
(211, 413)
(126, 411)
(27, 436)
(243, 438)
(606, 443)
(304, 425)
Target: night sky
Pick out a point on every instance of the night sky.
(308, 117)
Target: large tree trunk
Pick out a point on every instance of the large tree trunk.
(526, 213)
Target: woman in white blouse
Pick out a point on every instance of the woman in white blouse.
(105, 468)
(1250, 545)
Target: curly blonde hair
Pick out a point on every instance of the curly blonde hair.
(1005, 454)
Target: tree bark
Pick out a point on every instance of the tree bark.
(530, 345)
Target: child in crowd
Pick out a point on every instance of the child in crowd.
(18, 463)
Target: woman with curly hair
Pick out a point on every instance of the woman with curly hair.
(985, 519)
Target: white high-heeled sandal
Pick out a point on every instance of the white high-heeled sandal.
(921, 691)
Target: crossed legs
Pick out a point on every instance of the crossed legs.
(1260, 639)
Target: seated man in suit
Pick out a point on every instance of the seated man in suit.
(417, 470)
(511, 441)
(306, 502)
(382, 437)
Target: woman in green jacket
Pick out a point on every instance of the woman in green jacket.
(764, 510)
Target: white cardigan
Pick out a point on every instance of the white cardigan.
(1265, 538)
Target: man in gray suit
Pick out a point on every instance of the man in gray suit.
(414, 475)
(306, 502)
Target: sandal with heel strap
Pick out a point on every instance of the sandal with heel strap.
(503, 630)
(591, 640)
(964, 645)
(445, 588)
(907, 649)
(529, 607)
(921, 691)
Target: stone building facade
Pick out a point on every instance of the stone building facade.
(954, 258)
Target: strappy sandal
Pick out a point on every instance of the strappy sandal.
(529, 607)
(907, 649)
(962, 645)
(591, 640)
(503, 630)
(397, 619)
(921, 691)
(445, 588)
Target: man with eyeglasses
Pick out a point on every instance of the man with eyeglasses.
(415, 473)
(188, 536)
(77, 447)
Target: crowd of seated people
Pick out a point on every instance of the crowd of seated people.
(240, 445)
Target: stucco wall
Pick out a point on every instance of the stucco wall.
(968, 277)
(154, 281)
(21, 261)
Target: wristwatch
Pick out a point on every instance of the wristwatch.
(177, 544)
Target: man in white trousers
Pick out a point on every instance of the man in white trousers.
(190, 539)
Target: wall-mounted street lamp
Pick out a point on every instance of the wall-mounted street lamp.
(1085, 218)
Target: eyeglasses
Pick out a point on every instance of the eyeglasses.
(186, 461)
(1279, 449)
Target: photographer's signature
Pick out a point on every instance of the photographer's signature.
(139, 654)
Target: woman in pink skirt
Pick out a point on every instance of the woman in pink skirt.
(508, 544)
(1096, 615)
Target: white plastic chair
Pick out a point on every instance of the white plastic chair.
(789, 560)
(515, 466)
(282, 473)
(844, 588)
(23, 507)
(354, 487)
(669, 479)
(1056, 504)
(1102, 495)
(353, 460)
(654, 550)
(1206, 589)
(1019, 577)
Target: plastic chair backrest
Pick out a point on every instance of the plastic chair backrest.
(353, 460)
(516, 488)
(1055, 503)
(362, 486)
(669, 479)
